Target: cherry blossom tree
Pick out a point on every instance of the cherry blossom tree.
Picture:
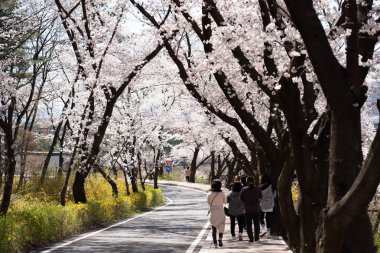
(91, 119)
(24, 25)
(288, 65)
(136, 127)
(282, 84)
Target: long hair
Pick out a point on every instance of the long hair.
(266, 182)
(216, 185)
(243, 180)
(250, 182)
(236, 187)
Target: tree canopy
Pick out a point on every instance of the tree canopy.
(272, 87)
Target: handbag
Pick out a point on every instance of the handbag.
(226, 211)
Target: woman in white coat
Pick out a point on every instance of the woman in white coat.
(267, 203)
(216, 198)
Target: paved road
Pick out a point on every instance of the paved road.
(176, 227)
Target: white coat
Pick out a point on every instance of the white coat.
(217, 217)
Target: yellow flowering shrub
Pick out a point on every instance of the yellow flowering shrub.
(295, 193)
(34, 219)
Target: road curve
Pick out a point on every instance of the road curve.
(176, 227)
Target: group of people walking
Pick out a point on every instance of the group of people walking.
(248, 205)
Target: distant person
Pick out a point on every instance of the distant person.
(267, 203)
(216, 199)
(243, 180)
(236, 209)
(236, 179)
(187, 174)
(251, 195)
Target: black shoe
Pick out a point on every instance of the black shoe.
(220, 243)
(215, 245)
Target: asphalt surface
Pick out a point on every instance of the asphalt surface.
(179, 226)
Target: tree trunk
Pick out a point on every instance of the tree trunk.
(66, 184)
(9, 174)
(212, 172)
(8, 184)
(2, 164)
(79, 193)
(289, 216)
(134, 180)
(193, 166)
(22, 172)
(133, 170)
(263, 166)
(155, 178)
(139, 162)
(126, 182)
(60, 164)
(23, 156)
(221, 167)
(49, 154)
(359, 236)
(231, 171)
(344, 163)
(113, 184)
(61, 142)
(1, 174)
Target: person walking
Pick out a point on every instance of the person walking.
(243, 180)
(250, 196)
(236, 209)
(216, 199)
(266, 203)
(187, 174)
(236, 179)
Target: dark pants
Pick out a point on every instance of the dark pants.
(214, 234)
(268, 218)
(255, 218)
(240, 220)
(187, 178)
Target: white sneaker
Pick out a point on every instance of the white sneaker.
(263, 233)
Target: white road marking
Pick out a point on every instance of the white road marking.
(101, 230)
(204, 229)
(199, 237)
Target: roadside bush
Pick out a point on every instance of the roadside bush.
(377, 242)
(32, 223)
(201, 180)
